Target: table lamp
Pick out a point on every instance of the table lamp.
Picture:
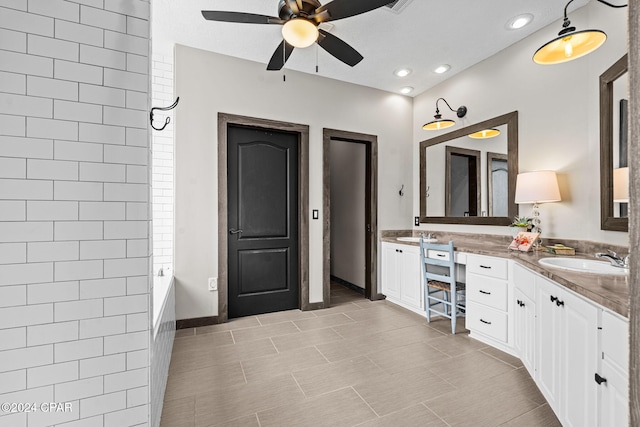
(537, 187)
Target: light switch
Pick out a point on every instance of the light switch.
(315, 214)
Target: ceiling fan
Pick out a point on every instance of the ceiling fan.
(300, 20)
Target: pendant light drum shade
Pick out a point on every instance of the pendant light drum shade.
(485, 134)
(569, 46)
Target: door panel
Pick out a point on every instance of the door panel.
(263, 221)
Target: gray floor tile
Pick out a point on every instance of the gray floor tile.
(339, 408)
(334, 376)
(383, 367)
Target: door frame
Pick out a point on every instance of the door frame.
(371, 211)
(224, 120)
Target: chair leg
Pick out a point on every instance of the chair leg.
(427, 303)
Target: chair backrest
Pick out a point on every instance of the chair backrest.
(440, 254)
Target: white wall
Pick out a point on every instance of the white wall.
(209, 83)
(558, 120)
(348, 170)
(162, 170)
(74, 211)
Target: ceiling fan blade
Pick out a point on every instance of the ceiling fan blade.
(338, 9)
(240, 17)
(280, 56)
(338, 48)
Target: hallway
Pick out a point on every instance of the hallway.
(358, 363)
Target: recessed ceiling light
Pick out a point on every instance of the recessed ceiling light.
(405, 90)
(442, 69)
(519, 21)
(402, 72)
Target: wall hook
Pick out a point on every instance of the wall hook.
(166, 122)
(401, 192)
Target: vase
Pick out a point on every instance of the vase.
(516, 230)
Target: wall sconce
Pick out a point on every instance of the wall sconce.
(621, 185)
(439, 122)
(571, 44)
(537, 187)
(484, 134)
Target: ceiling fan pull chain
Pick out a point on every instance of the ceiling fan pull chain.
(316, 58)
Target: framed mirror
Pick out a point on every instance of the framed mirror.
(465, 180)
(614, 174)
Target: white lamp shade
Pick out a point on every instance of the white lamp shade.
(621, 185)
(537, 187)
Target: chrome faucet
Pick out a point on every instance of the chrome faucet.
(614, 259)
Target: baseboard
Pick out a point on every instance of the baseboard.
(196, 322)
(347, 284)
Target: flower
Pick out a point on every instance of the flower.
(522, 221)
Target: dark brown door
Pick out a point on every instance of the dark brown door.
(263, 221)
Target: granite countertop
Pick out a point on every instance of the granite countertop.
(610, 291)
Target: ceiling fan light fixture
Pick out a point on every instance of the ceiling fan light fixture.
(485, 134)
(300, 32)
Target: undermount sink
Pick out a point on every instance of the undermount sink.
(583, 265)
(415, 239)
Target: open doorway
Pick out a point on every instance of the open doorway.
(350, 215)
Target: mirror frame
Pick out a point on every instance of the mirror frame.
(511, 120)
(607, 220)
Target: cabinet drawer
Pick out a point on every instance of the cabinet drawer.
(488, 266)
(487, 291)
(443, 255)
(487, 321)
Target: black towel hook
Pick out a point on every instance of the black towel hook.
(166, 122)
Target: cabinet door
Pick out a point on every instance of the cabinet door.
(411, 292)
(390, 272)
(614, 401)
(579, 361)
(548, 355)
(525, 330)
(614, 397)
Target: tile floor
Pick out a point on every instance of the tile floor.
(358, 363)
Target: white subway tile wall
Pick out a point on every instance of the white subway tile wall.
(162, 178)
(75, 257)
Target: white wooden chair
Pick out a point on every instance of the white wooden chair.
(443, 294)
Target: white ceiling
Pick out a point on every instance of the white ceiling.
(425, 34)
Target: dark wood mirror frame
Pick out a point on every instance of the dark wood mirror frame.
(511, 120)
(607, 220)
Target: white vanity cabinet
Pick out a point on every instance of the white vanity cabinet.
(613, 373)
(487, 293)
(402, 276)
(524, 317)
(567, 353)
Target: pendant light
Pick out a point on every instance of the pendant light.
(571, 44)
(439, 122)
(484, 134)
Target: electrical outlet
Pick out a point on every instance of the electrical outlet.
(416, 221)
(213, 283)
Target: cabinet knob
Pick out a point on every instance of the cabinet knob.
(553, 299)
(599, 379)
(559, 303)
